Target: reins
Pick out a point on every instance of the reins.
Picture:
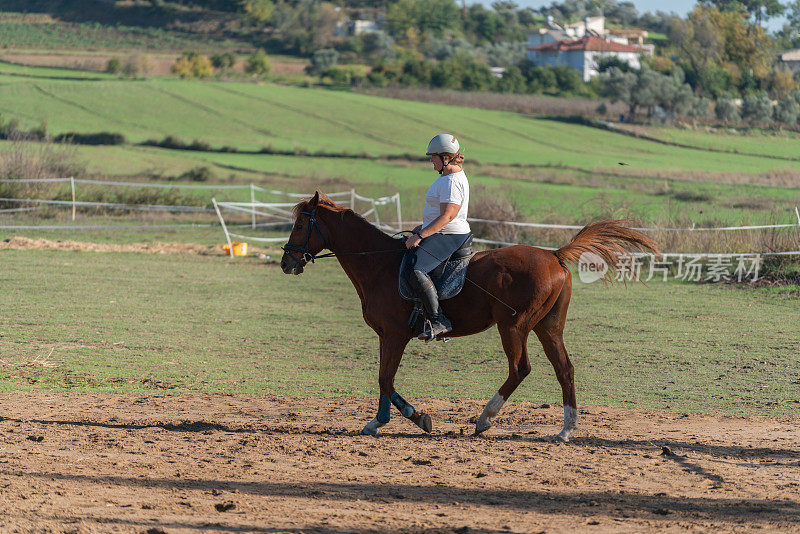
(308, 256)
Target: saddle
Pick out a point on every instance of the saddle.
(448, 278)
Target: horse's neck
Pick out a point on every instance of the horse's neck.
(352, 235)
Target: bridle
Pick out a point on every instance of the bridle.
(308, 256)
(305, 252)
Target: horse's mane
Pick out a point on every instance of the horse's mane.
(325, 202)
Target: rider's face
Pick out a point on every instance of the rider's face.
(437, 161)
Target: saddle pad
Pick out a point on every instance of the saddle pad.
(448, 277)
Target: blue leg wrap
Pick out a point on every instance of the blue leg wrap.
(384, 410)
(405, 408)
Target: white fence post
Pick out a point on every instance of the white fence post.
(796, 212)
(353, 199)
(377, 217)
(253, 207)
(224, 228)
(72, 183)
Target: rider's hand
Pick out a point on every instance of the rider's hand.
(413, 241)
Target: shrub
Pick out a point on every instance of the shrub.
(114, 66)
(100, 138)
(25, 160)
(757, 109)
(346, 76)
(135, 65)
(198, 174)
(493, 205)
(258, 11)
(512, 81)
(223, 61)
(786, 112)
(323, 59)
(726, 110)
(192, 65)
(258, 64)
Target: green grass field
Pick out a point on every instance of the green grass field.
(251, 116)
(580, 197)
(79, 36)
(123, 321)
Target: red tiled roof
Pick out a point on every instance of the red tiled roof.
(588, 43)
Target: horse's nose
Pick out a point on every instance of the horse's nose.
(283, 264)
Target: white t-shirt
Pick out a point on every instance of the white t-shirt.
(453, 189)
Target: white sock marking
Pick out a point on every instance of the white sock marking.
(491, 409)
(372, 428)
(570, 423)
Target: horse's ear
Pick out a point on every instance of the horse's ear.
(314, 200)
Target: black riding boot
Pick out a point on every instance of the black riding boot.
(437, 323)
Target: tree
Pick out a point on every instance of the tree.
(618, 87)
(421, 15)
(377, 45)
(258, 64)
(699, 108)
(757, 109)
(135, 65)
(323, 59)
(757, 9)
(305, 25)
(786, 112)
(512, 81)
(113, 66)
(224, 61)
(192, 65)
(257, 11)
(726, 110)
(720, 50)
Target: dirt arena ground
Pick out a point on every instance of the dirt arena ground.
(203, 462)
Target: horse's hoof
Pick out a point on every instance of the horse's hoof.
(371, 429)
(564, 435)
(480, 428)
(424, 422)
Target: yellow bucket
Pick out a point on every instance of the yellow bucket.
(239, 249)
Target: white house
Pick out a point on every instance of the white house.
(584, 54)
(791, 58)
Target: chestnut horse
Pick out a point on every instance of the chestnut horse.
(534, 282)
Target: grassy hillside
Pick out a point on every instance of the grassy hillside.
(67, 36)
(553, 171)
(251, 116)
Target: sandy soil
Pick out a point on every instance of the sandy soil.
(203, 462)
(25, 243)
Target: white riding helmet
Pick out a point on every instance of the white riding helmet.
(443, 143)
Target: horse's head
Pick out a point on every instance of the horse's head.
(307, 238)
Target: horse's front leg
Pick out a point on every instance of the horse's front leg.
(391, 354)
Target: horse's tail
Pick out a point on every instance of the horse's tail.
(607, 239)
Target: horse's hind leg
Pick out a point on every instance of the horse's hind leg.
(514, 344)
(550, 331)
(391, 354)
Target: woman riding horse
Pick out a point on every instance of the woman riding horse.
(521, 289)
(444, 228)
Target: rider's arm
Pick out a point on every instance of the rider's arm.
(448, 212)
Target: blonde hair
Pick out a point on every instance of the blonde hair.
(455, 159)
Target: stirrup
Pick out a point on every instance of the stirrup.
(428, 333)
